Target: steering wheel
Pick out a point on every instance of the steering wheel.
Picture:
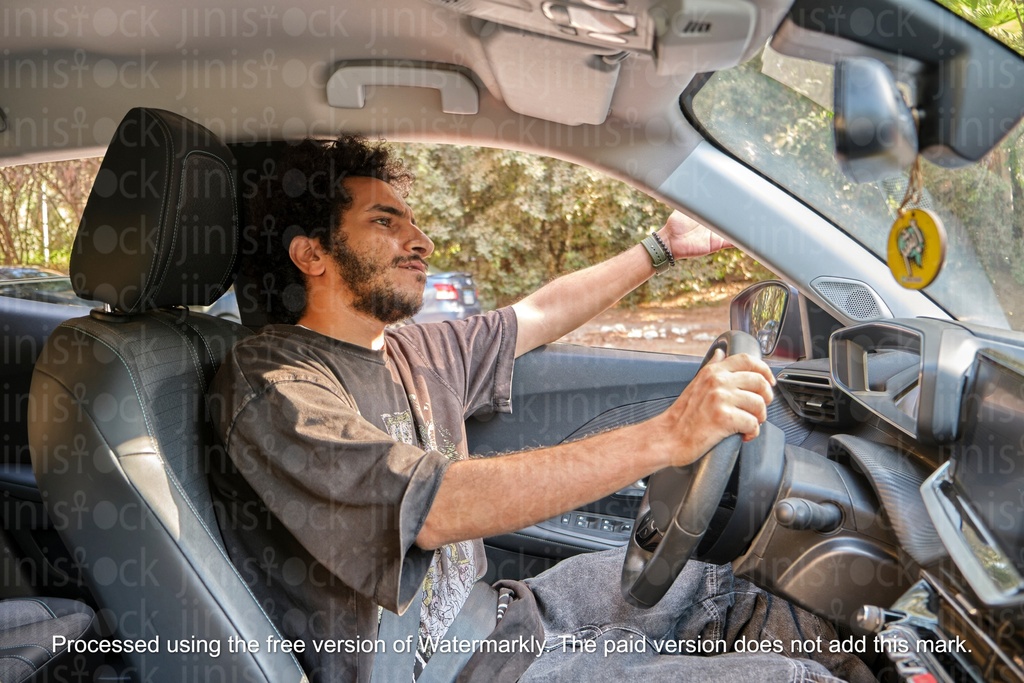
(679, 504)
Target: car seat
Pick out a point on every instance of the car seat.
(121, 431)
(35, 640)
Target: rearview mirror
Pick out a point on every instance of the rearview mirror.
(763, 311)
(876, 137)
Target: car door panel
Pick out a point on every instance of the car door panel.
(32, 558)
(563, 393)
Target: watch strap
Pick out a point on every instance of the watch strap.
(661, 259)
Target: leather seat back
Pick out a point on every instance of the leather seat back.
(121, 440)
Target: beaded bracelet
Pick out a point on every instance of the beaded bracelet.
(668, 252)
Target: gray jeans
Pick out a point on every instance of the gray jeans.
(593, 635)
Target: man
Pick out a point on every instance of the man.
(349, 485)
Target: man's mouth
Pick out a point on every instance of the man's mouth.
(416, 264)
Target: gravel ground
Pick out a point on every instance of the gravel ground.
(687, 326)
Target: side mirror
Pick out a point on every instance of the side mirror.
(768, 312)
(876, 137)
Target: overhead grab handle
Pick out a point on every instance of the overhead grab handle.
(347, 86)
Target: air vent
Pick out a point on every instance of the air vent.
(810, 396)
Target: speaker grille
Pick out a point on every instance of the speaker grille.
(855, 299)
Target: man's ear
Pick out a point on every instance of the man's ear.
(307, 254)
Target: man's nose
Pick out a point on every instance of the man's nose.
(420, 243)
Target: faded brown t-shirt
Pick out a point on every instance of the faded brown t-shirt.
(336, 452)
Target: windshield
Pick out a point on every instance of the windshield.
(787, 136)
(1001, 19)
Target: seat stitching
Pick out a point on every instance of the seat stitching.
(199, 333)
(20, 658)
(188, 501)
(174, 480)
(234, 208)
(196, 364)
(131, 375)
(163, 212)
(235, 224)
(17, 647)
(43, 605)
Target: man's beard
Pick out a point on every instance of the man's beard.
(372, 293)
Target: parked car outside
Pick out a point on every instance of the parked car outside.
(34, 283)
(22, 272)
(448, 296)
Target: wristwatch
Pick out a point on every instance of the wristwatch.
(661, 256)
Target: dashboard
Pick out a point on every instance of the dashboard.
(946, 404)
(909, 373)
(831, 508)
(941, 384)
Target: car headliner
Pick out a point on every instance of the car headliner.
(259, 72)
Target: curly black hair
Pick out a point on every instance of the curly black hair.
(305, 195)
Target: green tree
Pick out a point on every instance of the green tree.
(34, 196)
(518, 220)
(1001, 19)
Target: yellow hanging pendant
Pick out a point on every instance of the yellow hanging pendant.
(917, 248)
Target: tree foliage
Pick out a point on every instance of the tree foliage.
(1001, 19)
(517, 220)
(37, 196)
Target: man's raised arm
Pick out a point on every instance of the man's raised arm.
(571, 300)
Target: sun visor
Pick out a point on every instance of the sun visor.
(551, 79)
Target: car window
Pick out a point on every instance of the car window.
(503, 223)
(40, 208)
(53, 290)
(517, 220)
(684, 324)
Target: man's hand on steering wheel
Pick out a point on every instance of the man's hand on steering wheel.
(730, 395)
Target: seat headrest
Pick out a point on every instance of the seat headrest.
(161, 225)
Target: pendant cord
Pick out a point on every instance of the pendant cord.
(915, 181)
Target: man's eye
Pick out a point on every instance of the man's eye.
(386, 222)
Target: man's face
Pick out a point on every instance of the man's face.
(380, 252)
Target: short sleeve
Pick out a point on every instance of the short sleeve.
(475, 355)
(352, 495)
